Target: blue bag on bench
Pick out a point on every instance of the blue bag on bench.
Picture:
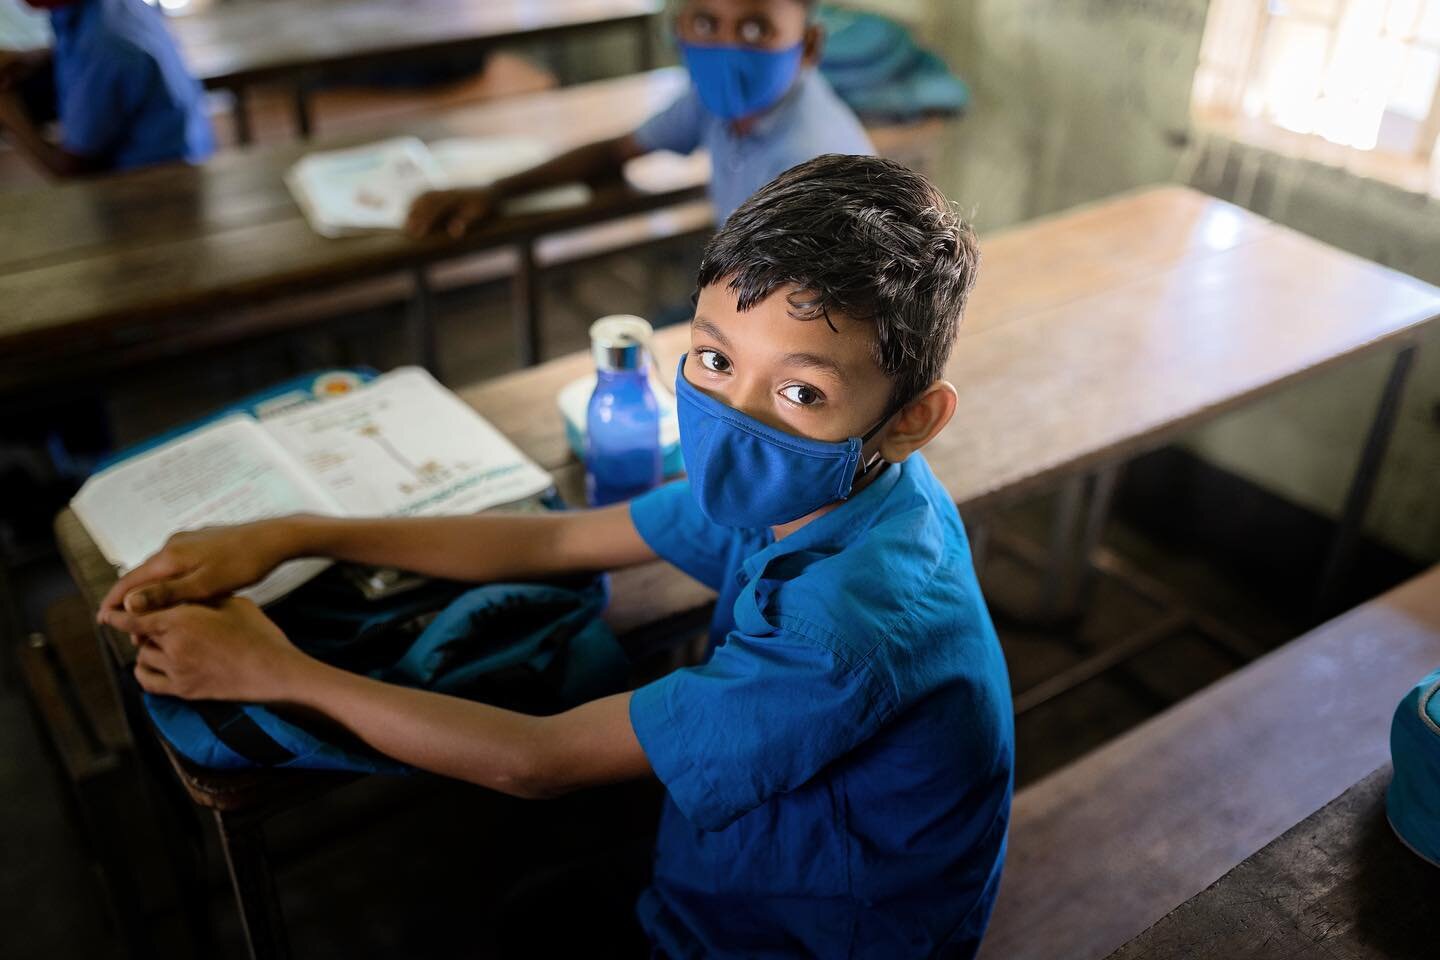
(1413, 801)
(535, 647)
(880, 72)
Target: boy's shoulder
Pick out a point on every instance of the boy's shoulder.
(893, 577)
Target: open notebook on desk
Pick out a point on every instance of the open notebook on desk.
(368, 188)
(399, 445)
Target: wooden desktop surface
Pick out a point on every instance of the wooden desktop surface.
(1338, 885)
(234, 44)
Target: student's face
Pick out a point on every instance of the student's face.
(799, 376)
(757, 24)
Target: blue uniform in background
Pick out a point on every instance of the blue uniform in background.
(123, 95)
(839, 772)
(808, 121)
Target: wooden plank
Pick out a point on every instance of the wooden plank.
(234, 44)
(70, 627)
(1338, 885)
(1103, 848)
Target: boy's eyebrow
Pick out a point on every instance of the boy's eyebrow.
(815, 361)
(705, 326)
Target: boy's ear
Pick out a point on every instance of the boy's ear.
(919, 420)
(814, 45)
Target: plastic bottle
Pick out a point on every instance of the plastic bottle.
(622, 424)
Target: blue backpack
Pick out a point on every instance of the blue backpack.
(880, 72)
(535, 647)
(1413, 801)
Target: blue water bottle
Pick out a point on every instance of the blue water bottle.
(622, 423)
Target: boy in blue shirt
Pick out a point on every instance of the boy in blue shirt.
(839, 770)
(122, 94)
(756, 103)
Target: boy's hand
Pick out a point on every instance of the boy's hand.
(223, 651)
(200, 565)
(449, 211)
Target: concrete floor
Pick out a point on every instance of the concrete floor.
(409, 868)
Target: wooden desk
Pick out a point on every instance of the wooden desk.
(296, 42)
(97, 265)
(1338, 885)
(1104, 848)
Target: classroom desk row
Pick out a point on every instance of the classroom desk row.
(102, 264)
(298, 43)
(1091, 337)
(101, 270)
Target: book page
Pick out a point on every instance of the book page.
(228, 472)
(363, 188)
(405, 446)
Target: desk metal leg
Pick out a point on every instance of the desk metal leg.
(240, 111)
(1069, 576)
(526, 296)
(422, 323)
(304, 122)
(1362, 485)
(646, 39)
(249, 866)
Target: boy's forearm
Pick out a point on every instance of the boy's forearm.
(593, 162)
(513, 753)
(477, 548)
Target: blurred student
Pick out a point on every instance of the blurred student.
(756, 103)
(122, 94)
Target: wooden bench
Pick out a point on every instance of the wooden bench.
(1102, 849)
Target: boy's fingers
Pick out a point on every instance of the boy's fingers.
(149, 625)
(425, 213)
(155, 568)
(167, 593)
(151, 680)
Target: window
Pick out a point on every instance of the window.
(1326, 79)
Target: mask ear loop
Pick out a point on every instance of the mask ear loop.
(868, 465)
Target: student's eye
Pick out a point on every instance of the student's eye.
(753, 31)
(802, 394)
(702, 25)
(714, 361)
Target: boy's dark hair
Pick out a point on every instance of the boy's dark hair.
(864, 237)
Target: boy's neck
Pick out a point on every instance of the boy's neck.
(783, 530)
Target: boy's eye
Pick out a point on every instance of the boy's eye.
(752, 31)
(702, 25)
(714, 361)
(802, 394)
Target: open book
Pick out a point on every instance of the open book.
(399, 445)
(368, 188)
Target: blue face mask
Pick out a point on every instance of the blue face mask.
(735, 82)
(746, 474)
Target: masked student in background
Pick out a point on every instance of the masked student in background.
(756, 103)
(116, 83)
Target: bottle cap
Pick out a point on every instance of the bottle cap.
(619, 342)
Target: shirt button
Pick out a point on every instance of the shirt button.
(741, 577)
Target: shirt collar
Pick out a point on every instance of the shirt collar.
(835, 529)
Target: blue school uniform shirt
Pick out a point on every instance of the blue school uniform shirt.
(123, 94)
(808, 121)
(839, 772)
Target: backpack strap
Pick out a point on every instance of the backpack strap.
(235, 728)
